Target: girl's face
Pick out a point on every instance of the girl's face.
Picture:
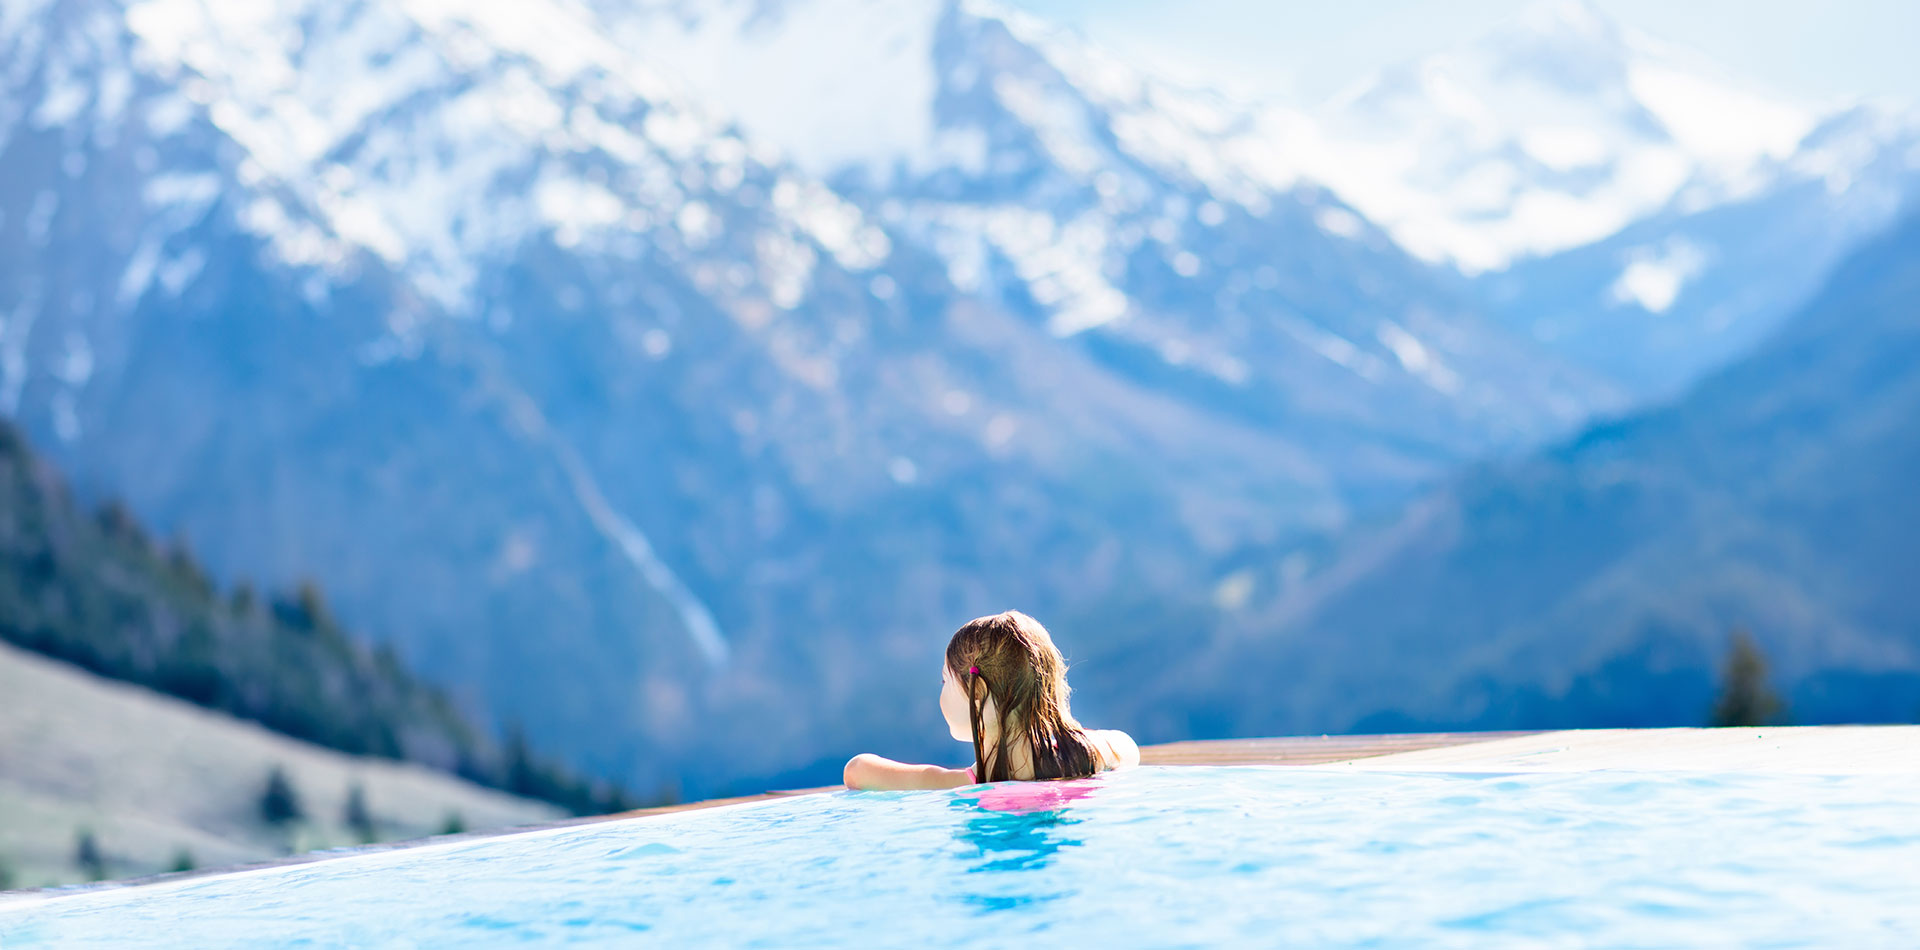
(953, 705)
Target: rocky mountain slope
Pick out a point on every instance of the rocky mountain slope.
(1169, 233)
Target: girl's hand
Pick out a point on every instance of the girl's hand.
(867, 771)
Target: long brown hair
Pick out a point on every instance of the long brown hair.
(1011, 658)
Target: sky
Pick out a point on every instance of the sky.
(1304, 51)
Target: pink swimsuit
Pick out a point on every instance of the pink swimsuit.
(1024, 797)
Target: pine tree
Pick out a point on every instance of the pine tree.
(313, 605)
(181, 561)
(279, 804)
(357, 817)
(521, 776)
(182, 861)
(87, 856)
(244, 600)
(1745, 698)
(454, 824)
(118, 522)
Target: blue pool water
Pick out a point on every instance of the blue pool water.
(1149, 857)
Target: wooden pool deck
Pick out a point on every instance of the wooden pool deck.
(1808, 750)
(1308, 750)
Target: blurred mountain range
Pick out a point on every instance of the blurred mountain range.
(1596, 583)
(672, 377)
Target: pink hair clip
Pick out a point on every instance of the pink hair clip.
(974, 670)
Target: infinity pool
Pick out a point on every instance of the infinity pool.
(1149, 857)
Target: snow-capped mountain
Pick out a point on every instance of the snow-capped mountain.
(1686, 289)
(1627, 203)
(1552, 131)
(1161, 230)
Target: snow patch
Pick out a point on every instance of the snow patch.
(1564, 147)
(656, 343)
(1713, 121)
(569, 201)
(174, 275)
(39, 219)
(1416, 358)
(168, 114)
(16, 331)
(116, 88)
(836, 224)
(810, 78)
(1654, 276)
(786, 268)
(697, 223)
(1339, 222)
(75, 366)
(65, 98)
(65, 416)
(139, 271)
(170, 188)
(1060, 122)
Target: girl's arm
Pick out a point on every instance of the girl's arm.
(869, 771)
(1120, 750)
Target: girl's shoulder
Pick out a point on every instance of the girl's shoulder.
(1115, 748)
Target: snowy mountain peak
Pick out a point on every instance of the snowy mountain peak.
(438, 135)
(1552, 130)
(856, 80)
(1564, 45)
(1571, 18)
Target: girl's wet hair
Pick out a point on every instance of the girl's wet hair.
(1010, 657)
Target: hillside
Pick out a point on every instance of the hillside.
(152, 777)
(1596, 584)
(97, 591)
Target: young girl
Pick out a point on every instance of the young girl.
(1004, 687)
